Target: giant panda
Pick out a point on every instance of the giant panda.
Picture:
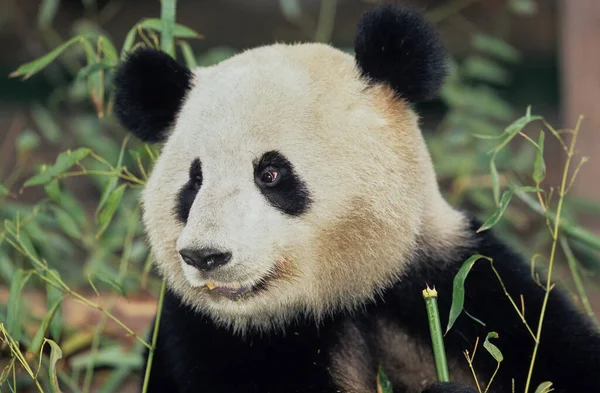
(295, 215)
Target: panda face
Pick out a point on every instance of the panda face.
(293, 179)
(297, 174)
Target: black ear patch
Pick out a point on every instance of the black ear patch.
(401, 48)
(150, 89)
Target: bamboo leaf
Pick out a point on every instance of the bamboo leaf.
(107, 213)
(93, 68)
(52, 188)
(495, 47)
(458, 289)
(544, 387)
(520, 123)
(504, 202)
(107, 190)
(27, 141)
(3, 190)
(28, 69)
(54, 295)
(383, 382)
(491, 348)
(188, 55)
(13, 312)
(64, 161)
(108, 280)
(47, 12)
(523, 7)
(486, 70)
(38, 338)
(179, 31)
(539, 169)
(167, 18)
(495, 180)
(46, 123)
(55, 355)
(67, 223)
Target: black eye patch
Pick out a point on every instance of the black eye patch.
(187, 193)
(289, 194)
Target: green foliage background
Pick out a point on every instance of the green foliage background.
(489, 156)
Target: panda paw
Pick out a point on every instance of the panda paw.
(449, 387)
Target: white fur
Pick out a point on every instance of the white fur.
(361, 154)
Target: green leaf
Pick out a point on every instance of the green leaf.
(506, 197)
(46, 123)
(493, 46)
(7, 267)
(67, 223)
(520, 123)
(383, 382)
(495, 180)
(64, 161)
(55, 355)
(491, 348)
(53, 190)
(93, 68)
(54, 295)
(188, 55)
(28, 69)
(38, 338)
(167, 18)
(112, 203)
(215, 55)
(46, 13)
(179, 31)
(486, 70)
(539, 169)
(25, 242)
(107, 190)
(13, 312)
(544, 387)
(523, 7)
(290, 9)
(112, 356)
(458, 289)
(108, 280)
(109, 49)
(28, 140)
(3, 190)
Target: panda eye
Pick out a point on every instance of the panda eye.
(269, 176)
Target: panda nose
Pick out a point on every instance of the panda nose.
(205, 259)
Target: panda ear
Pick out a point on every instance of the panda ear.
(401, 48)
(150, 90)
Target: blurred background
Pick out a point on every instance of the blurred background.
(71, 242)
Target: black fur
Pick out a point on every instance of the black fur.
(401, 48)
(194, 355)
(150, 89)
(187, 194)
(449, 387)
(290, 194)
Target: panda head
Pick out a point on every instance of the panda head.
(293, 179)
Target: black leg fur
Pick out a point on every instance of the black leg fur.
(194, 355)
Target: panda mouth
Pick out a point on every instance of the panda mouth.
(283, 271)
(235, 290)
